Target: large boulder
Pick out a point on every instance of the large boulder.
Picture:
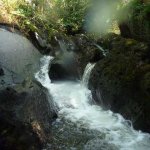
(25, 115)
(26, 109)
(17, 53)
(120, 81)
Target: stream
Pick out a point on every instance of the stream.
(82, 125)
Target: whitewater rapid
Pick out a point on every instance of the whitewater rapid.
(75, 103)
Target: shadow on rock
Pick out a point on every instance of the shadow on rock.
(121, 80)
(26, 110)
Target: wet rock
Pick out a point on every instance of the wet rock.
(26, 110)
(71, 56)
(18, 136)
(80, 40)
(98, 144)
(58, 72)
(88, 53)
(145, 83)
(27, 105)
(120, 81)
(1, 72)
(64, 65)
(67, 136)
(40, 42)
(18, 54)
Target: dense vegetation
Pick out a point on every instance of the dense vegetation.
(119, 81)
(65, 16)
(40, 15)
(139, 20)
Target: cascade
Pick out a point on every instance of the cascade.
(74, 102)
(86, 75)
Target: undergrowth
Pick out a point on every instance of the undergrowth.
(41, 15)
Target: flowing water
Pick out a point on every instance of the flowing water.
(101, 49)
(74, 101)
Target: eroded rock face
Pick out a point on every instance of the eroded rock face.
(26, 110)
(120, 81)
(71, 56)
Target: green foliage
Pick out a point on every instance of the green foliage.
(71, 13)
(139, 9)
(48, 16)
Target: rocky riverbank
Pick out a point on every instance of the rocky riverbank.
(26, 109)
(120, 79)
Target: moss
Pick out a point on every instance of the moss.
(120, 70)
(139, 22)
(123, 80)
(130, 42)
(145, 68)
(145, 83)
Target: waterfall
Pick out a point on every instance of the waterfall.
(101, 49)
(42, 76)
(73, 100)
(62, 44)
(87, 73)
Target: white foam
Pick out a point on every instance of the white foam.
(74, 101)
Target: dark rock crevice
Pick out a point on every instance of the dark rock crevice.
(72, 55)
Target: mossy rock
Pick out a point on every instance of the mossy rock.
(121, 80)
(138, 22)
(146, 83)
